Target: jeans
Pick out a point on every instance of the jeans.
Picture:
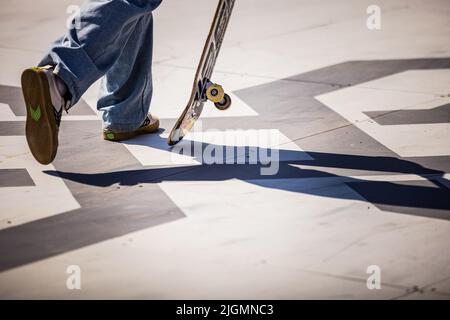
(112, 39)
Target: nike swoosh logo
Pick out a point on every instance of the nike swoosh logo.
(35, 113)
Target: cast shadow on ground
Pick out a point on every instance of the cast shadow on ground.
(99, 220)
(307, 172)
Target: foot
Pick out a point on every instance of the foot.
(150, 125)
(44, 102)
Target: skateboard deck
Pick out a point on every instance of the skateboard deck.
(204, 89)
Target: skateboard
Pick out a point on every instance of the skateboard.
(204, 89)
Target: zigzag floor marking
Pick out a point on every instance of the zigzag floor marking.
(406, 139)
(50, 196)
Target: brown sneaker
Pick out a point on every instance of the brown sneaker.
(44, 106)
(150, 125)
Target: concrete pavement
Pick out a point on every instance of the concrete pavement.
(359, 118)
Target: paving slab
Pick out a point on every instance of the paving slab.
(334, 159)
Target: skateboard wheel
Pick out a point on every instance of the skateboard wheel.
(224, 104)
(215, 93)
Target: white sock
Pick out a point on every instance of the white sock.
(60, 85)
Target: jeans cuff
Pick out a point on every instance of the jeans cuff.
(121, 127)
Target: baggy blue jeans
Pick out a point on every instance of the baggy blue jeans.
(112, 39)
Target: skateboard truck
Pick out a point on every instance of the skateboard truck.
(216, 94)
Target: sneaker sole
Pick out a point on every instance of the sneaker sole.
(41, 129)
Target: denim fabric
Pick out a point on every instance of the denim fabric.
(113, 40)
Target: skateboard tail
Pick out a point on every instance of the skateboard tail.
(175, 137)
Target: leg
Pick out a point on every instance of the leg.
(86, 53)
(111, 34)
(126, 89)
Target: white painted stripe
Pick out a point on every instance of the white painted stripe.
(379, 178)
(390, 93)
(64, 118)
(152, 150)
(6, 113)
(50, 196)
(172, 89)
